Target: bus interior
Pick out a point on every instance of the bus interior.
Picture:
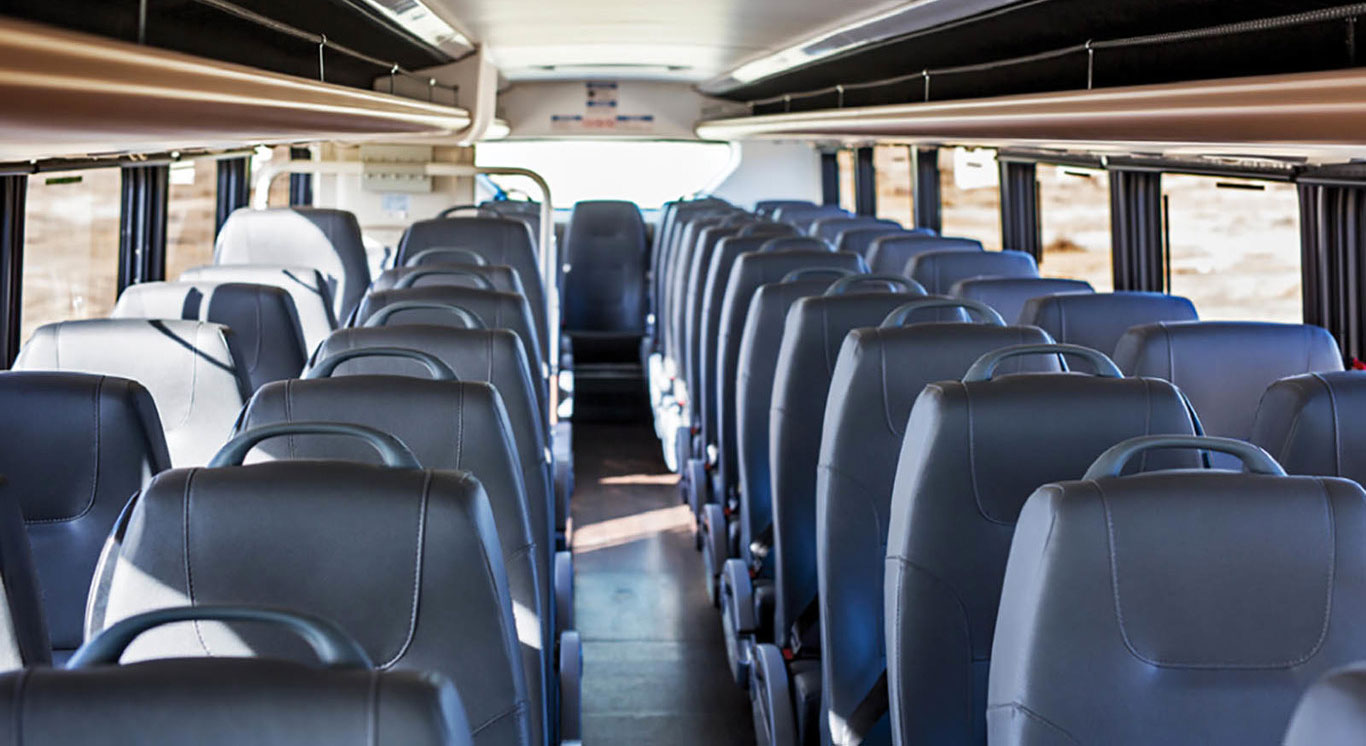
(772, 372)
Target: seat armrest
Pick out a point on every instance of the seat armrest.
(771, 695)
(571, 681)
(737, 596)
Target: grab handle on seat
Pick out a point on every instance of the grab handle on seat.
(1112, 461)
(473, 256)
(985, 366)
(804, 272)
(334, 648)
(411, 278)
(985, 314)
(464, 314)
(842, 285)
(328, 365)
(392, 450)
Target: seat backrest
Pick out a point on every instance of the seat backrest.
(25, 642)
(262, 318)
(677, 263)
(812, 334)
(190, 368)
(802, 218)
(889, 254)
(829, 229)
(406, 561)
(1223, 367)
(1098, 320)
(1333, 711)
(878, 375)
(73, 449)
(937, 271)
(859, 238)
(502, 241)
(956, 496)
(273, 703)
(450, 425)
(604, 246)
(1205, 602)
(794, 243)
(324, 239)
(690, 288)
(494, 309)
(767, 228)
(675, 216)
(492, 356)
(693, 258)
(305, 285)
(750, 272)
(1008, 295)
(1310, 424)
(767, 207)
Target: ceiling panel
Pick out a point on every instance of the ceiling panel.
(693, 40)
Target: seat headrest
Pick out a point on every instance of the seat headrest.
(498, 277)
(1310, 424)
(816, 326)
(1225, 366)
(1008, 295)
(803, 216)
(829, 229)
(859, 238)
(1206, 592)
(1098, 320)
(939, 270)
(327, 240)
(1333, 711)
(891, 253)
(74, 448)
(305, 285)
(190, 368)
(769, 206)
(793, 243)
(610, 219)
(496, 310)
(273, 703)
(497, 239)
(405, 561)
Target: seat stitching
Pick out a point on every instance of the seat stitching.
(1016, 706)
(886, 396)
(185, 549)
(420, 553)
(1327, 611)
(517, 708)
(20, 687)
(1337, 423)
(372, 711)
(95, 466)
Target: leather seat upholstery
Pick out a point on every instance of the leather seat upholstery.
(794, 243)
(326, 240)
(859, 239)
(262, 318)
(25, 642)
(305, 285)
(693, 262)
(1178, 608)
(449, 425)
(937, 271)
(494, 309)
(73, 449)
(812, 334)
(878, 375)
(829, 229)
(767, 207)
(492, 356)
(272, 703)
(889, 254)
(1333, 711)
(750, 272)
(1311, 424)
(1098, 320)
(1223, 367)
(406, 561)
(982, 448)
(604, 246)
(803, 218)
(190, 368)
(501, 241)
(1008, 295)
(690, 289)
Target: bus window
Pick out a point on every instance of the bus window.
(970, 187)
(892, 166)
(1074, 209)
(190, 213)
(848, 201)
(1235, 247)
(71, 246)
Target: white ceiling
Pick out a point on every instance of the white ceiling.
(692, 40)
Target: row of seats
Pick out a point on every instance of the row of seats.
(365, 482)
(860, 490)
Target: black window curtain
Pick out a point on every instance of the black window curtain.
(1020, 226)
(1136, 230)
(1332, 240)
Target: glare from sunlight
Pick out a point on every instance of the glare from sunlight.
(648, 173)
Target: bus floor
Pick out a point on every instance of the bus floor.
(654, 670)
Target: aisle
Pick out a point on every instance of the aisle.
(654, 660)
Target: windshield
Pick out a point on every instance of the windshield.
(647, 173)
